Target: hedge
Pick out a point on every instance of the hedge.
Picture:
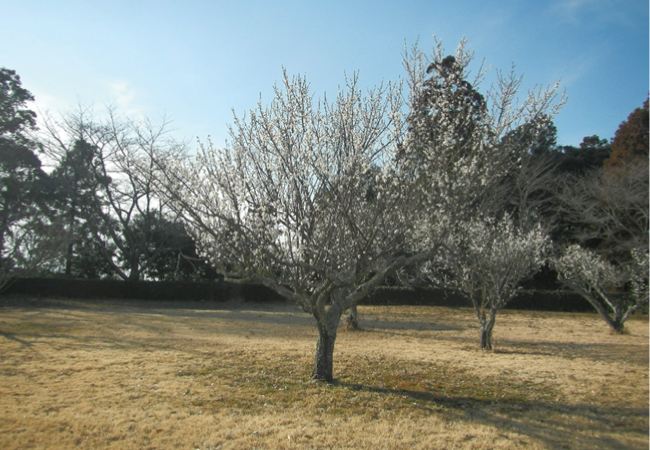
(142, 290)
(541, 300)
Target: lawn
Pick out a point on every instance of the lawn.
(153, 375)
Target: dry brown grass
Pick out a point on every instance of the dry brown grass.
(145, 375)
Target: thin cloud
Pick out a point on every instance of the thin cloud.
(45, 103)
(573, 9)
(122, 95)
(604, 11)
(580, 67)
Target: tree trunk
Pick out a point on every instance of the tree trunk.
(327, 322)
(487, 325)
(69, 254)
(618, 324)
(134, 266)
(324, 360)
(352, 320)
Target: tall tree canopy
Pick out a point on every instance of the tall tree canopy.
(104, 173)
(22, 181)
(631, 140)
(77, 186)
(462, 146)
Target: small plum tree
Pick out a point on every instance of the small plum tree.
(463, 151)
(486, 260)
(603, 284)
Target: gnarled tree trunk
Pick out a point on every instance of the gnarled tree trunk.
(324, 359)
(487, 326)
(352, 320)
(327, 322)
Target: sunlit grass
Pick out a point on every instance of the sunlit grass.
(152, 375)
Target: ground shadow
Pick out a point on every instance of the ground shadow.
(408, 325)
(557, 424)
(12, 337)
(595, 352)
(279, 313)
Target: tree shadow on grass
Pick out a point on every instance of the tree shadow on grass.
(381, 325)
(556, 424)
(624, 352)
(12, 337)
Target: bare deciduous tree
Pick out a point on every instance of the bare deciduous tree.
(607, 210)
(606, 254)
(121, 209)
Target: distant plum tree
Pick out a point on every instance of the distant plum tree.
(606, 239)
(486, 260)
(603, 284)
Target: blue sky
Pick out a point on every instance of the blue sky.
(196, 61)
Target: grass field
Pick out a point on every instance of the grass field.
(148, 375)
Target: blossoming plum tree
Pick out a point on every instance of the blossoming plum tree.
(486, 260)
(322, 201)
(461, 146)
(606, 239)
(602, 283)
(461, 149)
(303, 200)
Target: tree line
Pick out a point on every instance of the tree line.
(435, 180)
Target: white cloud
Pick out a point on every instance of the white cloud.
(122, 94)
(607, 11)
(571, 9)
(45, 103)
(575, 70)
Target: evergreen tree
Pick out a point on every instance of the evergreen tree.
(77, 184)
(23, 184)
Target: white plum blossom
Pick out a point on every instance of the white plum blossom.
(461, 145)
(303, 200)
(486, 260)
(603, 283)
